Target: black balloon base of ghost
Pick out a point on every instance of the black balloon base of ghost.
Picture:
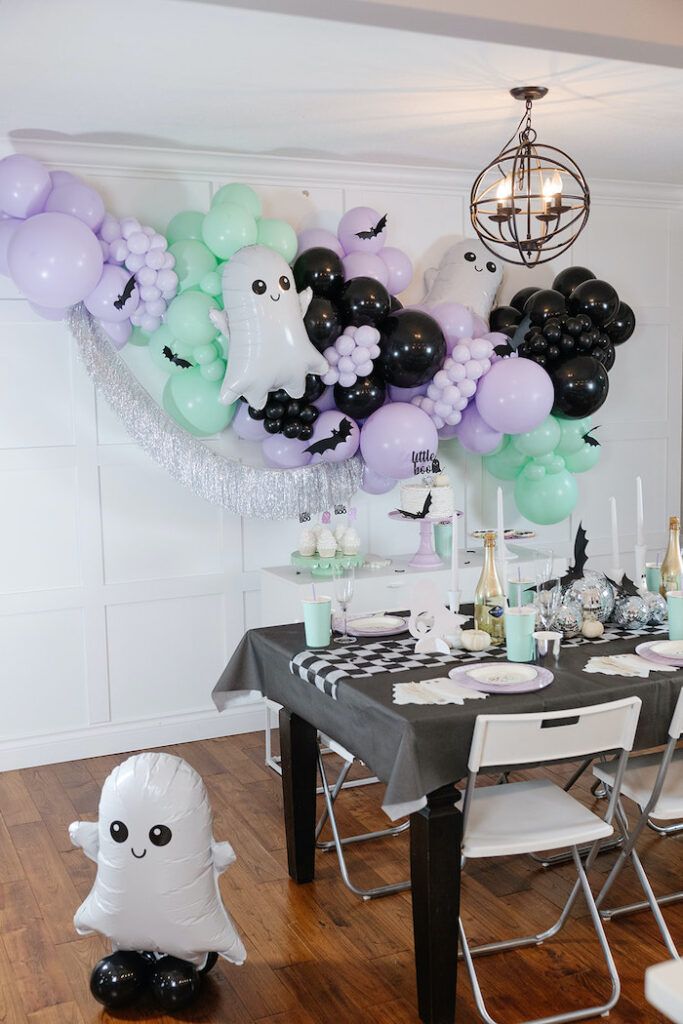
(124, 977)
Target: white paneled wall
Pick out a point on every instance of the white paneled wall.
(121, 594)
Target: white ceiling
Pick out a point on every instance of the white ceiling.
(194, 75)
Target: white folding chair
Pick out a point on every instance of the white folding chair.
(526, 817)
(654, 782)
(664, 989)
(337, 843)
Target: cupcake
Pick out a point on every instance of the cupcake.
(327, 545)
(307, 543)
(350, 542)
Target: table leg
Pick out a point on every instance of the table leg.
(298, 748)
(435, 840)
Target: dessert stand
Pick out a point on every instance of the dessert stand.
(425, 557)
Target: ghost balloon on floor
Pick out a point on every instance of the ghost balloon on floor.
(467, 274)
(156, 889)
(263, 320)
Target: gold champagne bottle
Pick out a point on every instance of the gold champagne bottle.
(489, 599)
(672, 566)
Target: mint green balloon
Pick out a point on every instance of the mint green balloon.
(240, 195)
(506, 462)
(187, 224)
(215, 371)
(167, 353)
(197, 402)
(138, 338)
(227, 228)
(541, 441)
(187, 318)
(211, 283)
(533, 471)
(584, 459)
(547, 500)
(192, 262)
(278, 235)
(552, 463)
(571, 435)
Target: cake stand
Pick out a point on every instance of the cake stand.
(425, 557)
(317, 565)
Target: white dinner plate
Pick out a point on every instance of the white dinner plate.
(504, 675)
(668, 648)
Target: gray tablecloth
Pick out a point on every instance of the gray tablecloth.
(416, 749)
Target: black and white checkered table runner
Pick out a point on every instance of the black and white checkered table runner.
(326, 667)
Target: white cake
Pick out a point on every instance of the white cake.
(414, 494)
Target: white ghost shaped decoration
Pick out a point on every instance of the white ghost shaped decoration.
(468, 274)
(157, 864)
(268, 347)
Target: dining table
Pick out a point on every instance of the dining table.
(418, 751)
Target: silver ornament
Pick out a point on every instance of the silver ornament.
(568, 620)
(593, 592)
(657, 609)
(631, 612)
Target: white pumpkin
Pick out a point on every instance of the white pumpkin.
(592, 628)
(475, 640)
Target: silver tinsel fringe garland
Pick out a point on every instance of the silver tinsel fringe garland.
(240, 489)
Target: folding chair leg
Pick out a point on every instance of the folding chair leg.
(665, 830)
(338, 843)
(560, 1018)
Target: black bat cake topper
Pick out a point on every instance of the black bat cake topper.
(592, 441)
(176, 360)
(373, 232)
(328, 444)
(418, 515)
(120, 302)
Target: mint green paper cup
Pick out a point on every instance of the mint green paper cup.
(443, 540)
(520, 624)
(674, 601)
(653, 577)
(317, 621)
(520, 592)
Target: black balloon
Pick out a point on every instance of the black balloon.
(362, 398)
(581, 385)
(119, 979)
(272, 426)
(505, 320)
(211, 961)
(605, 354)
(597, 299)
(394, 304)
(412, 348)
(519, 299)
(567, 280)
(322, 322)
(544, 305)
(363, 301)
(314, 387)
(174, 983)
(622, 325)
(321, 270)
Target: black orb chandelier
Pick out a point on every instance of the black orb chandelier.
(531, 202)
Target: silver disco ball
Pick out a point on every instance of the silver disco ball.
(593, 593)
(631, 612)
(568, 620)
(657, 609)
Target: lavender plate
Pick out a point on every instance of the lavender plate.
(502, 677)
(373, 625)
(645, 651)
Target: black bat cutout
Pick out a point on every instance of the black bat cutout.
(592, 441)
(173, 358)
(626, 588)
(120, 302)
(418, 515)
(373, 232)
(580, 557)
(503, 350)
(328, 444)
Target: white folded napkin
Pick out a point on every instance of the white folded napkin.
(434, 691)
(626, 665)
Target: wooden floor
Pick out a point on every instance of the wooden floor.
(317, 954)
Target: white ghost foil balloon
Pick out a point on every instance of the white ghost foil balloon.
(468, 274)
(263, 321)
(157, 864)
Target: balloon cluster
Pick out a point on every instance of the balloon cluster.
(351, 355)
(456, 382)
(144, 253)
(570, 329)
(293, 417)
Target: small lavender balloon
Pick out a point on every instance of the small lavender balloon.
(282, 452)
(365, 264)
(373, 483)
(119, 333)
(361, 220)
(24, 185)
(319, 238)
(7, 228)
(79, 200)
(399, 267)
(246, 428)
(106, 300)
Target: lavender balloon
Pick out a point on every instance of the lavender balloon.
(7, 228)
(406, 394)
(47, 313)
(282, 452)
(106, 301)
(24, 185)
(62, 177)
(362, 220)
(54, 259)
(373, 483)
(515, 396)
(398, 441)
(399, 267)
(118, 333)
(326, 400)
(455, 320)
(247, 428)
(340, 431)
(474, 434)
(479, 326)
(319, 238)
(79, 200)
(365, 264)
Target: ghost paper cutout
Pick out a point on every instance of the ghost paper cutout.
(158, 864)
(465, 276)
(263, 321)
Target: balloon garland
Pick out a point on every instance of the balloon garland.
(301, 345)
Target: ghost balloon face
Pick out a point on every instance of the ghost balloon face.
(468, 274)
(268, 344)
(157, 864)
